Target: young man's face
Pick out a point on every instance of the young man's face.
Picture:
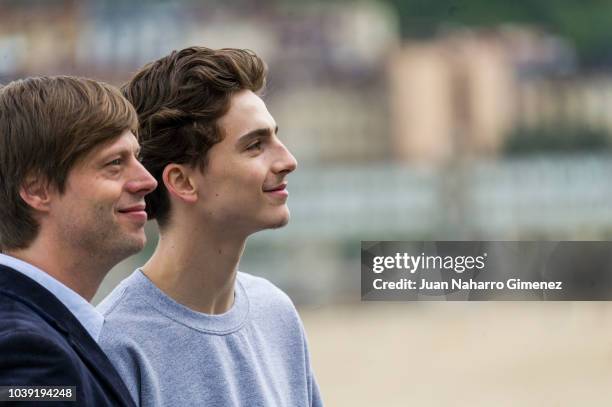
(102, 208)
(243, 186)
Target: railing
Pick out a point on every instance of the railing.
(556, 196)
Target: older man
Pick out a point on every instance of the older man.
(71, 207)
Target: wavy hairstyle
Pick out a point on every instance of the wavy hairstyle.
(47, 125)
(179, 99)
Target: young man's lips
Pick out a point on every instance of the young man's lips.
(276, 188)
(278, 191)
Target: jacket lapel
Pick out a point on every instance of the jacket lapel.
(53, 311)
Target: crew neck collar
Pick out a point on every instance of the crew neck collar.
(220, 324)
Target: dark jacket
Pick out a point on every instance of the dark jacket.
(43, 344)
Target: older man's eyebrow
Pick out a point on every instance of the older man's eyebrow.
(122, 151)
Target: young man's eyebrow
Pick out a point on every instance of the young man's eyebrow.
(263, 132)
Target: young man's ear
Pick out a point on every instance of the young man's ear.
(37, 192)
(178, 182)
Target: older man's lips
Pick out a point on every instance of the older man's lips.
(135, 213)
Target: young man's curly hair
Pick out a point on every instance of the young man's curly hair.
(179, 99)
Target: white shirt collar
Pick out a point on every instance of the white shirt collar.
(86, 313)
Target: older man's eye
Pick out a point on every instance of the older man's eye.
(116, 161)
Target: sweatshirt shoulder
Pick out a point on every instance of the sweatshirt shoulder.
(265, 296)
(108, 304)
(125, 299)
(259, 286)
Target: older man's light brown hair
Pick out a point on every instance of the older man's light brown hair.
(48, 124)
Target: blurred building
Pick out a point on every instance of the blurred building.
(359, 110)
(464, 91)
(451, 95)
(326, 85)
(39, 38)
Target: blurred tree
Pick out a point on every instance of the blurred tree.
(586, 23)
(563, 137)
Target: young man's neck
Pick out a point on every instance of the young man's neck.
(196, 268)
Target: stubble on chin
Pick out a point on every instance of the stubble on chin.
(102, 238)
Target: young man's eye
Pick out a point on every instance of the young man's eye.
(255, 146)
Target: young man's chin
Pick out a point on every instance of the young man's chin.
(270, 223)
(280, 222)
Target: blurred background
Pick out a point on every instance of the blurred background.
(411, 120)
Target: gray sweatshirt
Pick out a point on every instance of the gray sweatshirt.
(168, 355)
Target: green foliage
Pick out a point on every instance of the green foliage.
(556, 139)
(586, 23)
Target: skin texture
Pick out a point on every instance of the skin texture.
(214, 211)
(242, 167)
(92, 211)
(96, 222)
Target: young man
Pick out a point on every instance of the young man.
(71, 207)
(188, 328)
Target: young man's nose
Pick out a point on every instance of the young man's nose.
(285, 161)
